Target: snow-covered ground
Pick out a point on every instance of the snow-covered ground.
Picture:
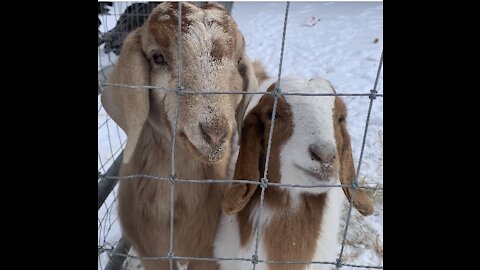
(344, 46)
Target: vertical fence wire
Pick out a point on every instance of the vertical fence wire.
(173, 174)
(355, 182)
(264, 179)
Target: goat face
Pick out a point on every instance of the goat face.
(212, 57)
(306, 136)
(310, 145)
(312, 151)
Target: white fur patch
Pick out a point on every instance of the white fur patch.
(313, 125)
(164, 17)
(182, 266)
(328, 246)
(227, 241)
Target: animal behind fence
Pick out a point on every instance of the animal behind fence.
(310, 146)
(205, 52)
(152, 56)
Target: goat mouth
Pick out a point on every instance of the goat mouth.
(323, 175)
(207, 154)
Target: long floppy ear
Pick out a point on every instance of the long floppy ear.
(253, 75)
(129, 107)
(362, 202)
(237, 195)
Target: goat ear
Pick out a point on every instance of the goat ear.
(362, 202)
(240, 113)
(129, 107)
(249, 75)
(237, 195)
(250, 84)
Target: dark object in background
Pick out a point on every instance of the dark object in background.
(102, 9)
(134, 16)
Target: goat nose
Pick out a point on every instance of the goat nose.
(214, 134)
(324, 156)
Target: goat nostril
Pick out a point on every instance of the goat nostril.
(214, 135)
(314, 152)
(325, 158)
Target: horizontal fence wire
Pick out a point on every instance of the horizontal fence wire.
(113, 253)
(230, 181)
(228, 92)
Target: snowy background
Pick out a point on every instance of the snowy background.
(344, 46)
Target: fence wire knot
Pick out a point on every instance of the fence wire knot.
(170, 255)
(179, 90)
(172, 179)
(373, 94)
(354, 185)
(254, 259)
(338, 264)
(277, 92)
(264, 182)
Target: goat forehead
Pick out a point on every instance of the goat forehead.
(313, 120)
(202, 41)
(307, 108)
(312, 110)
(304, 108)
(208, 24)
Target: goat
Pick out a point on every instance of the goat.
(214, 58)
(310, 146)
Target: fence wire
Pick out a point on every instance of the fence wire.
(120, 247)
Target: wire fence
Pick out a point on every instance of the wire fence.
(117, 249)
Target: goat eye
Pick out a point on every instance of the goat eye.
(270, 115)
(158, 59)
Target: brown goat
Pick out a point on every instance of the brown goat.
(214, 58)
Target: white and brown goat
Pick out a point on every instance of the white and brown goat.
(310, 146)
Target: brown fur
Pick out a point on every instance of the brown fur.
(289, 226)
(146, 116)
(362, 202)
(144, 205)
(217, 50)
(290, 235)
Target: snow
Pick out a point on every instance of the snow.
(345, 47)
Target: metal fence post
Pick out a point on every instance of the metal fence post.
(106, 184)
(116, 261)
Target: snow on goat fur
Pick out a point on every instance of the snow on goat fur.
(310, 146)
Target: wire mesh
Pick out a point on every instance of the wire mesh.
(113, 141)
